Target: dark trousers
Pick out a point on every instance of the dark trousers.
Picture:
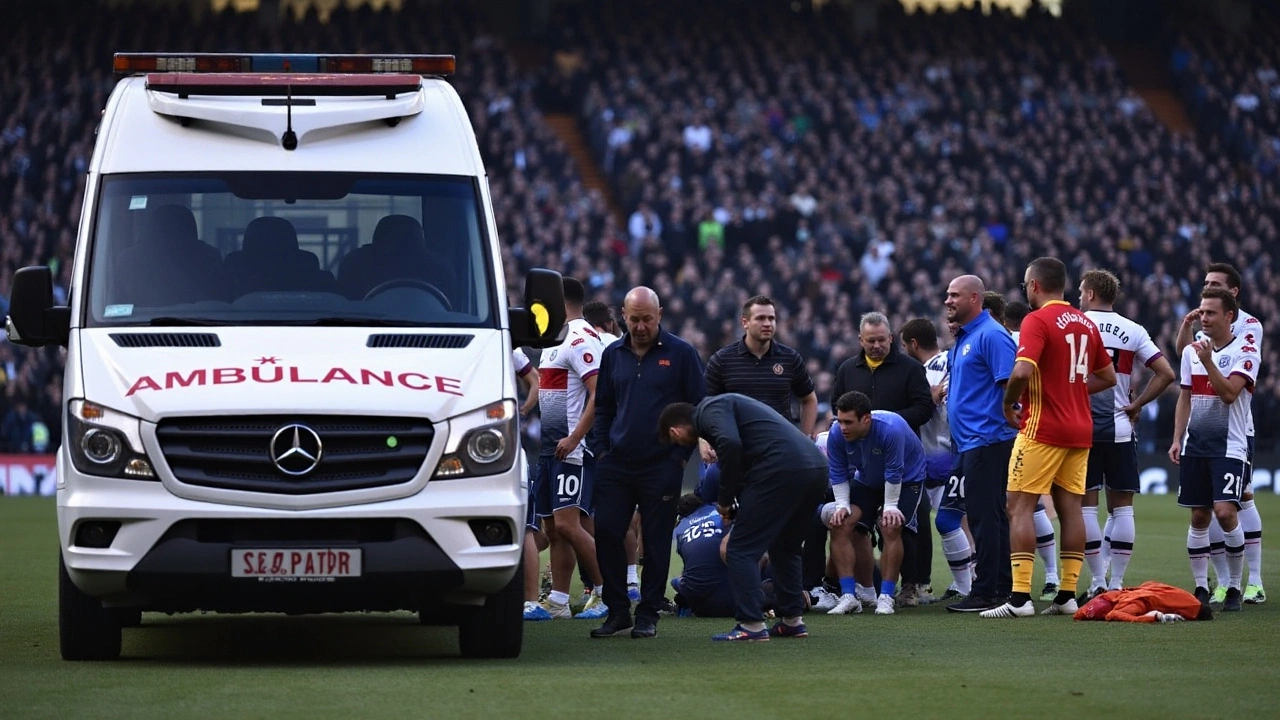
(621, 489)
(986, 475)
(917, 547)
(773, 516)
(718, 603)
(815, 547)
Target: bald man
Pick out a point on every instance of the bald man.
(980, 365)
(642, 373)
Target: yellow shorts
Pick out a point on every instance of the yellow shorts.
(1035, 467)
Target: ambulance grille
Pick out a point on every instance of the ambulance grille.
(442, 342)
(245, 452)
(149, 340)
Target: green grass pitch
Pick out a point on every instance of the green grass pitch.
(921, 663)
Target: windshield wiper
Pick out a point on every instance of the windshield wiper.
(173, 320)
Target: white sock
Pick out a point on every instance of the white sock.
(1251, 523)
(1047, 546)
(632, 577)
(1234, 539)
(1104, 552)
(1218, 552)
(1198, 551)
(1122, 535)
(555, 597)
(752, 626)
(1092, 543)
(793, 621)
(955, 546)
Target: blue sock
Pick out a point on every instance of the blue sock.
(887, 587)
(848, 586)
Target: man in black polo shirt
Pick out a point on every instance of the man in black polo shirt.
(642, 373)
(763, 368)
(894, 381)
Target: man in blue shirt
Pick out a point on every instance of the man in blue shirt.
(981, 362)
(642, 373)
(703, 586)
(875, 464)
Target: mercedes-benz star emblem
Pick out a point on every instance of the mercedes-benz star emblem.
(296, 449)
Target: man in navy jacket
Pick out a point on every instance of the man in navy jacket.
(640, 375)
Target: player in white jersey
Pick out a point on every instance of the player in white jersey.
(535, 541)
(1210, 441)
(1113, 461)
(943, 481)
(566, 398)
(1225, 276)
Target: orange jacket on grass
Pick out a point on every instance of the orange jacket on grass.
(1140, 604)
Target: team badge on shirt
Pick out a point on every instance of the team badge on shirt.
(777, 368)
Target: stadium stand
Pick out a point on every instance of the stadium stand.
(779, 154)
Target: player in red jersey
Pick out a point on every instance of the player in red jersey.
(1061, 361)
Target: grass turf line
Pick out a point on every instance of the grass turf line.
(921, 661)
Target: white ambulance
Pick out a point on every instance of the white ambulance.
(288, 353)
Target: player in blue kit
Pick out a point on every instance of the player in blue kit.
(876, 467)
(703, 585)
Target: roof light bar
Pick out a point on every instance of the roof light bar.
(432, 65)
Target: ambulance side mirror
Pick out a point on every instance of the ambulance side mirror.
(33, 319)
(539, 322)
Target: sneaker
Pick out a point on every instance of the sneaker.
(739, 633)
(585, 599)
(1219, 595)
(924, 593)
(613, 626)
(1067, 608)
(667, 607)
(1255, 595)
(535, 612)
(846, 605)
(1202, 594)
(557, 611)
(781, 629)
(1006, 610)
(633, 592)
(593, 609)
(1231, 603)
(908, 596)
(866, 596)
(1049, 591)
(823, 600)
(973, 603)
(884, 605)
(952, 595)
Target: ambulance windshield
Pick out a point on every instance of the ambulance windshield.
(290, 248)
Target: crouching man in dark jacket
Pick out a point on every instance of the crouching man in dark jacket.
(778, 477)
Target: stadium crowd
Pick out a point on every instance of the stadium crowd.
(775, 152)
(771, 152)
